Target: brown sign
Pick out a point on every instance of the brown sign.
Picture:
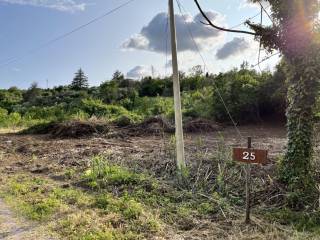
(250, 155)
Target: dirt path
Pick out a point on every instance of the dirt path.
(14, 228)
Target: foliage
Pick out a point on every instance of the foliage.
(195, 103)
(302, 221)
(76, 214)
(296, 168)
(125, 101)
(80, 81)
(32, 93)
(295, 33)
(11, 97)
(102, 173)
(241, 92)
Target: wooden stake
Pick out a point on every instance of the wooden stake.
(248, 180)
(176, 90)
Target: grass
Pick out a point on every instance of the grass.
(76, 214)
(178, 208)
(120, 205)
(102, 174)
(302, 221)
(4, 130)
(116, 203)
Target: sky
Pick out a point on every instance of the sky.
(134, 39)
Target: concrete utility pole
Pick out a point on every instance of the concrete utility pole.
(176, 90)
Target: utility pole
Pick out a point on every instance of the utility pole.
(176, 90)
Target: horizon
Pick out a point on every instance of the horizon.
(130, 45)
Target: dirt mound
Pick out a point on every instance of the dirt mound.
(42, 128)
(70, 129)
(151, 126)
(201, 125)
(76, 129)
(159, 125)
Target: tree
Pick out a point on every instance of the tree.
(117, 75)
(295, 34)
(32, 93)
(11, 97)
(80, 81)
(196, 71)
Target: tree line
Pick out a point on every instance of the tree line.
(251, 96)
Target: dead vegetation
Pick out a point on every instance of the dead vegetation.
(70, 129)
(151, 126)
(209, 206)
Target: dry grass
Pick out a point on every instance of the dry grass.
(210, 206)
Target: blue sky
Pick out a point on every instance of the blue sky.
(116, 41)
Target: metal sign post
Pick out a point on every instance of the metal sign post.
(249, 156)
(248, 180)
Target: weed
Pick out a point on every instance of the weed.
(102, 173)
(70, 173)
(302, 221)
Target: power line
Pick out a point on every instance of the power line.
(189, 30)
(205, 64)
(15, 59)
(265, 10)
(250, 18)
(166, 40)
(265, 59)
(260, 42)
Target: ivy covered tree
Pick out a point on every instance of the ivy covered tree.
(295, 34)
(80, 81)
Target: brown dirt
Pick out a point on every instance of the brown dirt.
(201, 125)
(42, 154)
(15, 228)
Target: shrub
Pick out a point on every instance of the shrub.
(148, 106)
(239, 90)
(13, 120)
(197, 103)
(3, 116)
(127, 119)
(95, 107)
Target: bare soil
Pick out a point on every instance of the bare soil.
(16, 228)
(21, 152)
(42, 154)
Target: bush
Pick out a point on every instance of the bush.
(197, 104)
(154, 106)
(48, 113)
(239, 90)
(127, 119)
(13, 120)
(95, 107)
(3, 116)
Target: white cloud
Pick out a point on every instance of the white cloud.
(139, 72)
(250, 4)
(153, 37)
(247, 4)
(60, 5)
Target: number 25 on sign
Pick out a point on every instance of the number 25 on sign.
(250, 155)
